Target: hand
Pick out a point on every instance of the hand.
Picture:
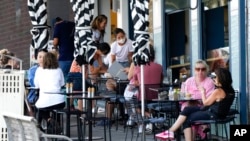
(202, 90)
(126, 69)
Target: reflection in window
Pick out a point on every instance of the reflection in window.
(218, 58)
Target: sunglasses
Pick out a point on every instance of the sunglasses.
(200, 69)
(213, 77)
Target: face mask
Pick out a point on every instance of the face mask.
(121, 41)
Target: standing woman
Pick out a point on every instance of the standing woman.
(98, 28)
(121, 49)
(49, 78)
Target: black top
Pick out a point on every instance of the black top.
(221, 108)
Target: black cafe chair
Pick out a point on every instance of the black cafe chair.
(232, 115)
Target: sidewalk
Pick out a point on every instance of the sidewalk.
(116, 135)
(119, 134)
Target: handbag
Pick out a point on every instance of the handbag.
(33, 96)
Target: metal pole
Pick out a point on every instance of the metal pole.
(142, 101)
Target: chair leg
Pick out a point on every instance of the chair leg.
(126, 133)
(84, 128)
(109, 131)
(225, 127)
(105, 138)
(79, 128)
(132, 133)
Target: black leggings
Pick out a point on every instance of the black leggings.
(44, 113)
(194, 113)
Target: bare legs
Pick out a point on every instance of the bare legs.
(178, 123)
(188, 134)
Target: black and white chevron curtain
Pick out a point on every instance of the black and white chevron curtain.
(140, 14)
(84, 45)
(38, 14)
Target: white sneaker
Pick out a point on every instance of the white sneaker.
(140, 129)
(44, 124)
(149, 128)
(93, 110)
(101, 110)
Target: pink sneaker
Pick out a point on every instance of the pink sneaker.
(165, 135)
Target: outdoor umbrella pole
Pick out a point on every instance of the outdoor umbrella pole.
(139, 14)
(142, 101)
(83, 85)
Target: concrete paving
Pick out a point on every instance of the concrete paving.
(117, 134)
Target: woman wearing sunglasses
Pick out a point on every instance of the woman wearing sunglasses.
(216, 106)
(192, 84)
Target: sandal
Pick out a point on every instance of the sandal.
(165, 135)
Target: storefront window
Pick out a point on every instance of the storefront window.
(215, 34)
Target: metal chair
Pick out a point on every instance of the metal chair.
(23, 128)
(224, 122)
(136, 119)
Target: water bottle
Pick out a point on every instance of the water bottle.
(170, 94)
(169, 75)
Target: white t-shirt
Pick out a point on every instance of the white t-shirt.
(107, 60)
(49, 80)
(121, 52)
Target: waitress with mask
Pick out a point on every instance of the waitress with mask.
(121, 49)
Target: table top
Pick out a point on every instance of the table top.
(93, 98)
(68, 93)
(159, 89)
(176, 100)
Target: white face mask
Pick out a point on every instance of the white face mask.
(121, 41)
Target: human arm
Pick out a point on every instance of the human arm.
(97, 67)
(112, 58)
(37, 77)
(209, 86)
(55, 43)
(216, 95)
(131, 71)
(56, 37)
(31, 75)
(130, 54)
(61, 81)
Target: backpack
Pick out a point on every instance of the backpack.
(33, 96)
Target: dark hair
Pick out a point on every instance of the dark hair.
(50, 61)
(119, 30)
(96, 22)
(104, 48)
(40, 50)
(151, 53)
(225, 79)
(58, 19)
(4, 59)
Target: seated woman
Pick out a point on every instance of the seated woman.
(6, 62)
(217, 106)
(53, 82)
(31, 75)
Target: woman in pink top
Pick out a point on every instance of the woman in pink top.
(200, 78)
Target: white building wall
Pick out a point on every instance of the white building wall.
(234, 41)
(194, 36)
(157, 31)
